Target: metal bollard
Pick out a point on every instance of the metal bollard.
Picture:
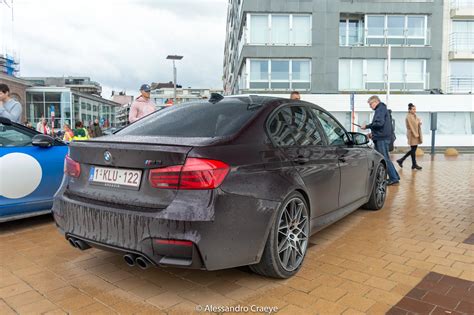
(434, 125)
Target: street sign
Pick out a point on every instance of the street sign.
(52, 118)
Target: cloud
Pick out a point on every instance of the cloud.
(122, 44)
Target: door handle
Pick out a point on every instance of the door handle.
(301, 160)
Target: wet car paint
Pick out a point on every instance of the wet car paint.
(229, 225)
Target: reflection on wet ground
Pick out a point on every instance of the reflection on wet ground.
(365, 263)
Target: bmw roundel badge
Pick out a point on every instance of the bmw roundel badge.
(107, 156)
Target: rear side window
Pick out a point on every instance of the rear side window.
(294, 126)
(334, 131)
(200, 119)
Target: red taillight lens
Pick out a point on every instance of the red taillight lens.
(167, 177)
(202, 174)
(71, 167)
(195, 174)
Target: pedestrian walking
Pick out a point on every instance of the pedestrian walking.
(9, 107)
(80, 133)
(381, 129)
(42, 126)
(295, 95)
(414, 136)
(68, 133)
(142, 105)
(96, 131)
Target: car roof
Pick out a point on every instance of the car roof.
(264, 100)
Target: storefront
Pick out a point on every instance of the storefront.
(68, 106)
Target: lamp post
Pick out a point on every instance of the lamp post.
(174, 58)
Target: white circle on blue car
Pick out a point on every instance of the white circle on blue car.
(21, 175)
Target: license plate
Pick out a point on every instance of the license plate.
(115, 177)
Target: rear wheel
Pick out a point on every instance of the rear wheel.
(288, 240)
(379, 190)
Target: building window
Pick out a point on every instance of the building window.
(371, 74)
(461, 79)
(398, 30)
(462, 36)
(350, 74)
(375, 29)
(259, 29)
(279, 29)
(301, 30)
(301, 75)
(350, 32)
(259, 74)
(278, 74)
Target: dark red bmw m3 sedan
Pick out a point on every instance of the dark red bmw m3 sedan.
(239, 180)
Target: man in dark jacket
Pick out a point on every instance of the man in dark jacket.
(95, 128)
(381, 128)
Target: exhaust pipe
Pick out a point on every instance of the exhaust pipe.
(81, 244)
(142, 262)
(130, 259)
(72, 242)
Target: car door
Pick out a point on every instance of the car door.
(296, 132)
(353, 161)
(29, 175)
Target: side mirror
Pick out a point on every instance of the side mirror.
(43, 141)
(359, 138)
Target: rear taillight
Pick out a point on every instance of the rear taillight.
(71, 167)
(194, 174)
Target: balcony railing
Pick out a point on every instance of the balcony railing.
(462, 4)
(461, 84)
(402, 40)
(461, 41)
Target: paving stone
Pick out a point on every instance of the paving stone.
(416, 254)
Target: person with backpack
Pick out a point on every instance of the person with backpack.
(414, 135)
(382, 135)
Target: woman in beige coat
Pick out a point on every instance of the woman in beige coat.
(414, 135)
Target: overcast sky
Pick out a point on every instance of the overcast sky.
(122, 43)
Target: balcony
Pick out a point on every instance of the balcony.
(461, 46)
(461, 84)
(463, 9)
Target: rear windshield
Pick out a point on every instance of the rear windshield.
(197, 119)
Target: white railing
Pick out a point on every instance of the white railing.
(461, 84)
(461, 41)
(402, 40)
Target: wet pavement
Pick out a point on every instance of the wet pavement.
(368, 263)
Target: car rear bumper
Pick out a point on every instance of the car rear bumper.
(234, 235)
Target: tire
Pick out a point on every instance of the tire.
(290, 230)
(379, 190)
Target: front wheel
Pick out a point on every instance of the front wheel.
(288, 240)
(379, 190)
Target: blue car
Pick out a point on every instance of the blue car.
(31, 170)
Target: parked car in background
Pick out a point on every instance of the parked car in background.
(31, 170)
(210, 185)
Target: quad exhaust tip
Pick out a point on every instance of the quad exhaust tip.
(132, 260)
(80, 244)
(141, 262)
